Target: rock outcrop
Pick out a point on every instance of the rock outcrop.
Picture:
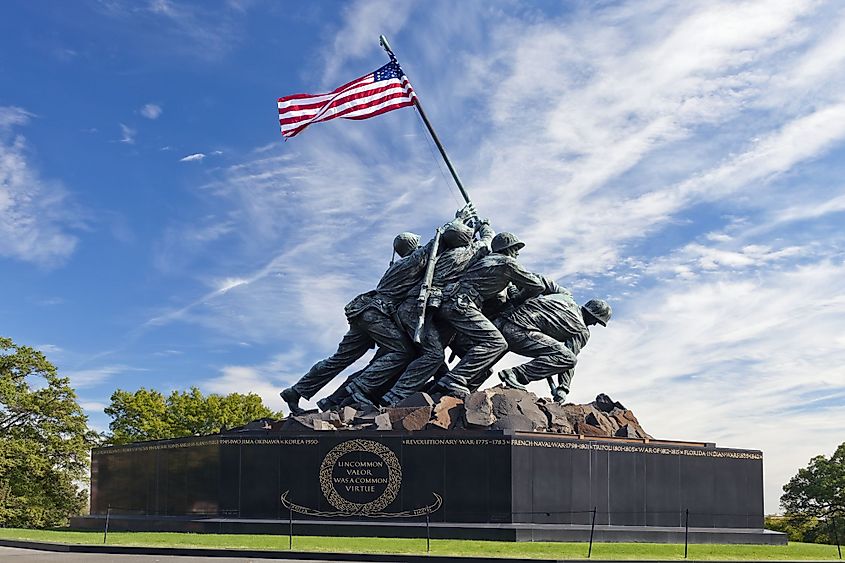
(496, 408)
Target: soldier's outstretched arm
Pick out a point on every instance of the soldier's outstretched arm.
(530, 285)
(485, 232)
(552, 287)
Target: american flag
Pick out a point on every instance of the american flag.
(378, 92)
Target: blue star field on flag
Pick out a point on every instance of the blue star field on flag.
(388, 71)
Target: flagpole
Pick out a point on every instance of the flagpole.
(383, 42)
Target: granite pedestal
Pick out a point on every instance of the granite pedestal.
(481, 485)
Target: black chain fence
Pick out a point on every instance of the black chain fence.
(825, 529)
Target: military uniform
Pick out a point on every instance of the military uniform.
(371, 323)
(550, 329)
(461, 309)
(435, 335)
(493, 309)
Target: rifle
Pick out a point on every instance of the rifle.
(425, 289)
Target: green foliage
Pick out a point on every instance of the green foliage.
(44, 441)
(814, 498)
(808, 529)
(818, 488)
(149, 415)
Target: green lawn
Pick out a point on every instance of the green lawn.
(438, 547)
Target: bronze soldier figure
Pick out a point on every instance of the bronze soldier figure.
(461, 308)
(370, 323)
(493, 309)
(552, 329)
(458, 249)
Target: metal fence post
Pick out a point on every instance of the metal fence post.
(592, 529)
(428, 535)
(106, 529)
(686, 534)
(290, 527)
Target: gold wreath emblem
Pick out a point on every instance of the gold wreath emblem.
(394, 476)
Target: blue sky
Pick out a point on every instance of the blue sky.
(682, 160)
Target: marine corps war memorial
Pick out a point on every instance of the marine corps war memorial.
(418, 443)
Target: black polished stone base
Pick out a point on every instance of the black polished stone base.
(480, 485)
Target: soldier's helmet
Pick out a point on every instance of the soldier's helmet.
(505, 240)
(599, 309)
(456, 234)
(405, 243)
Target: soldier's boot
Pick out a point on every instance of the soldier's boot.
(453, 386)
(509, 379)
(291, 397)
(362, 400)
(334, 400)
(390, 398)
(326, 404)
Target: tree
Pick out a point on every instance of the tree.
(801, 528)
(148, 415)
(44, 441)
(817, 492)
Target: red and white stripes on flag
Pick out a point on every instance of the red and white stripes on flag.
(380, 91)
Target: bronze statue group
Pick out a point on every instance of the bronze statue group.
(464, 290)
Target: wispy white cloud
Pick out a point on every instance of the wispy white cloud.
(151, 111)
(84, 378)
(180, 247)
(813, 210)
(164, 7)
(364, 21)
(65, 54)
(36, 216)
(127, 134)
(268, 378)
(180, 28)
(269, 302)
(240, 379)
(168, 353)
(619, 117)
(195, 157)
(11, 116)
(696, 257)
(230, 283)
(93, 406)
(50, 301)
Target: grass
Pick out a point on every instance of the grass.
(539, 550)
